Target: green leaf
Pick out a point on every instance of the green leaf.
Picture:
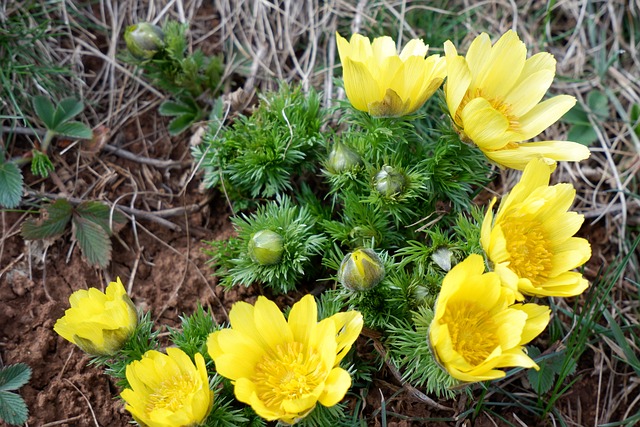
(583, 134)
(45, 111)
(93, 241)
(67, 109)
(598, 103)
(12, 377)
(541, 381)
(41, 165)
(173, 108)
(53, 222)
(181, 123)
(576, 116)
(13, 410)
(75, 130)
(10, 185)
(100, 213)
(634, 118)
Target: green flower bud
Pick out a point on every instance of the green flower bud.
(342, 159)
(266, 247)
(144, 40)
(390, 182)
(361, 270)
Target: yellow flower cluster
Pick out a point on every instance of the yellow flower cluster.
(478, 324)
(493, 93)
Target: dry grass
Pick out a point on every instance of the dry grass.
(293, 40)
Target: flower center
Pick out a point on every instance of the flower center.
(290, 372)
(171, 393)
(528, 249)
(471, 330)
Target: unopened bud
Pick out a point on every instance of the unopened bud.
(361, 270)
(342, 159)
(266, 247)
(144, 40)
(389, 181)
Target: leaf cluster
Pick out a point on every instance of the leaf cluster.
(13, 409)
(90, 226)
(191, 78)
(301, 242)
(262, 155)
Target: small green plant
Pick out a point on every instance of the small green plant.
(190, 78)
(58, 122)
(90, 224)
(13, 410)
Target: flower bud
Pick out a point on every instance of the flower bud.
(99, 323)
(389, 181)
(266, 247)
(361, 270)
(144, 40)
(342, 159)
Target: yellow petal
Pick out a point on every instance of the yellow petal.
(528, 93)
(537, 320)
(458, 79)
(548, 151)
(503, 67)
(335, 387)
(516, 357)
(270, 323)
(303, 318)
(478, 55)
(544, 115)
(361, 88)
(234, 354)
(485, 125)
(414, 47)
(383, 47)
(487, 223)
(348, 327)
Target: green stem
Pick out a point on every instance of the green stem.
(47, 140)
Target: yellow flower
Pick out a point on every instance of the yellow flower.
(283, 368)
(476, 329)
(168, 390)
(493, 94)
(99, 323)
(530, 241)
(384, 84)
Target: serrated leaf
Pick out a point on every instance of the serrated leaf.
(13, 410)
(67, 109)
(173, 108)
(94, 242)
(44, 110)
(583, 134)
(53, 222)
(41, 164)
(12, 377)
(541, 381)
(75, 130)
(181, 123)
(11, 182)
(100, 213)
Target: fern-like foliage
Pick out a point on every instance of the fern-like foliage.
(301, 242)
(260, 156)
